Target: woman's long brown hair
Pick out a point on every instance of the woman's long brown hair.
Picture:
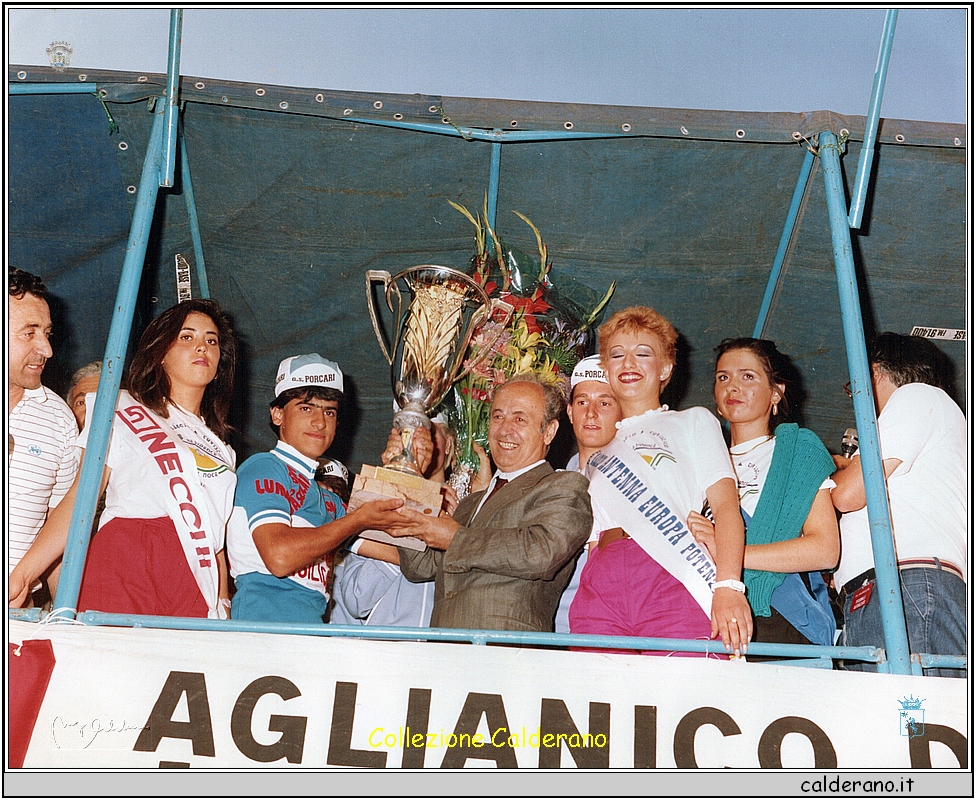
(148, 382)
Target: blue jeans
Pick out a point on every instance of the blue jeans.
(935, 613)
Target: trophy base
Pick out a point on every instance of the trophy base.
(380, 483)
(403, 468)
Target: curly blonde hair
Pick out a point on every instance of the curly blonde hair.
(635, 319)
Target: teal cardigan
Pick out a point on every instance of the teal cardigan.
(800, 465)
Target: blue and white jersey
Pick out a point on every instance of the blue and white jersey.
(279, 486)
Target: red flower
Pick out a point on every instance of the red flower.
(529, 306)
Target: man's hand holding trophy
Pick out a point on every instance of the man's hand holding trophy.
(432, 331)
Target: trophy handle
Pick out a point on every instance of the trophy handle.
(374, 276)
(485, 313)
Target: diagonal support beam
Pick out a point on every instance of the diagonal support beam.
(885, 565)
(863, 180)
(789, 228)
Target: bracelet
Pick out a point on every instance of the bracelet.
(737, 586)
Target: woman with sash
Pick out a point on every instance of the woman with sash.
(169, 478)
(647, 576)
(783, 473)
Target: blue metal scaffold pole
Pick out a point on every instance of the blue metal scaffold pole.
(89, 481)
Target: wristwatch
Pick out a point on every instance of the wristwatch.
(738, 586)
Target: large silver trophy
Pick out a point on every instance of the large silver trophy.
(431, 335)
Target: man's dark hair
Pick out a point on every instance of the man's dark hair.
(335, 484)
(22, 283)
(304, 394)
(909, 359)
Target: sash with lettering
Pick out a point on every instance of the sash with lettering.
(175, 479)
(621, 484)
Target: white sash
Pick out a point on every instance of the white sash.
(622, 484)
(178, 482)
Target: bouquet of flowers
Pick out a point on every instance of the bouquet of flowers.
(550, 329)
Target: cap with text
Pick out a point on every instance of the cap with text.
(329, 466)
(588, 369)
(307, 370)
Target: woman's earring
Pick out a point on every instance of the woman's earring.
(775, 409)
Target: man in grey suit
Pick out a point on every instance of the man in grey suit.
(504, 558)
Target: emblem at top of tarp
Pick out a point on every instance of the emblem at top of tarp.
(59, 54)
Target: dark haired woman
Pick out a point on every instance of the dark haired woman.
(169, 478)
(783, 473)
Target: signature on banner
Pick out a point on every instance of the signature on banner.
(79, 735)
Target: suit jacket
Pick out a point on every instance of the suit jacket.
(507, 566)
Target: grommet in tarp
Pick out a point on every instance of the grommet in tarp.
(513, 123)
(260, 92)
(123, 146)
(320, 98)
(899, 137)
(142, 79)
(445, 120)
(199, 85)
(957, 141)
(224, 98)
(346, 112)
(283, 105)
(377, 104)
(797, 135)
(740, 134)
(433, 109)
(83, 77)
(131, 189)
(625, 127)
(568, 125)
(684, 130)
(21, 75)
(844, 132)
(103, 92)
(398, 116)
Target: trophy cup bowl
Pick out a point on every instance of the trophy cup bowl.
(431, 335)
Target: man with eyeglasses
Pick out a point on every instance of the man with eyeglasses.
(922, 433)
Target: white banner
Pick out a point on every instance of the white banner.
(138, 698)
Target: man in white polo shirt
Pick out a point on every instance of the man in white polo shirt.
(923, 438)
(42, 458)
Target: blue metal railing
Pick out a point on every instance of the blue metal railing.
(797, 655)
(52, 88)
(863, 179)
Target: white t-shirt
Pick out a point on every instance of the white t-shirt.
(685, 453)
(41, 468)
(751, 461)
(135, 489)
(922, 427)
